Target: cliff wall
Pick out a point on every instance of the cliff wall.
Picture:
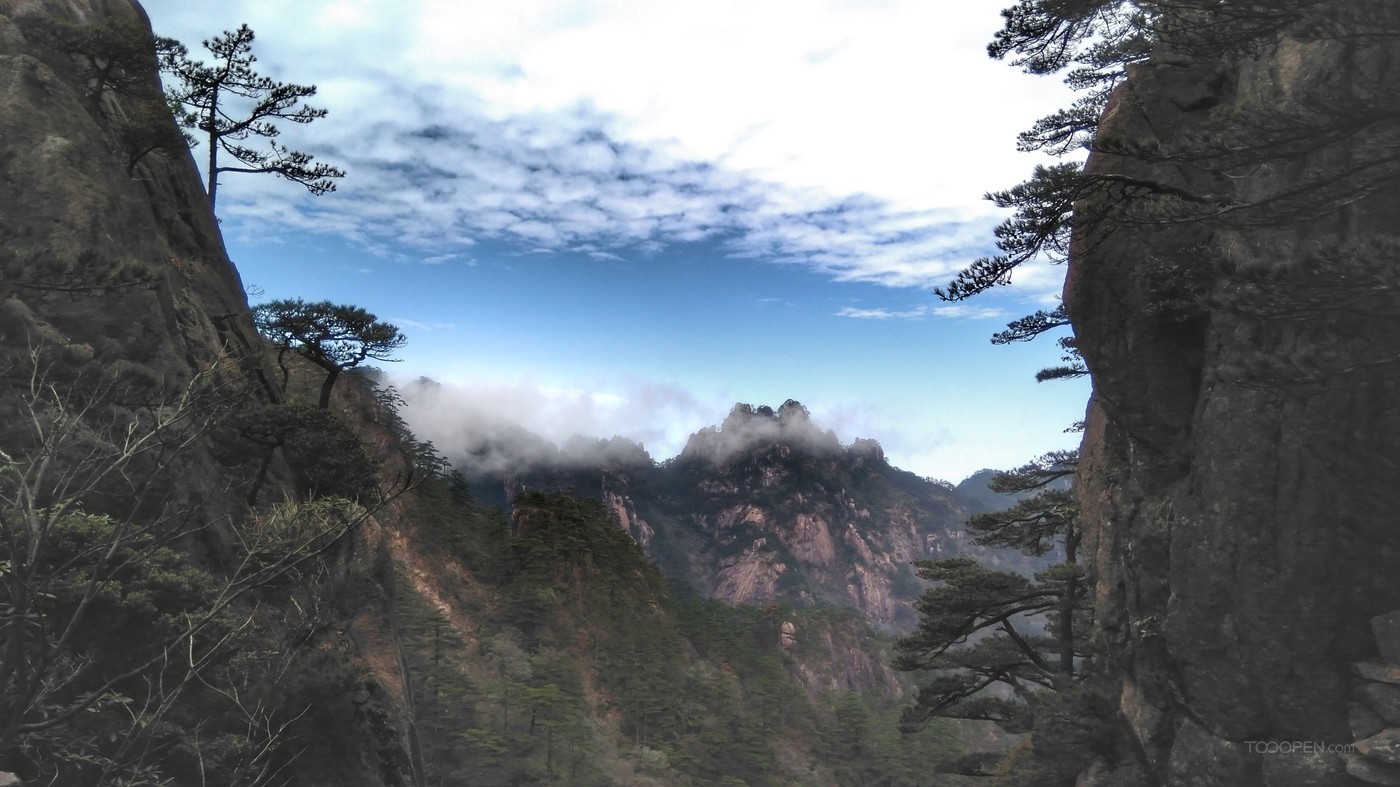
(1238, 478)
(127, 351)
(113, 276)
(85, 223)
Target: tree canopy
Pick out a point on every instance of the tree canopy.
(333, 336)
(230, 103)
(995, 644)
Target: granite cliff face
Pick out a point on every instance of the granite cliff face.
(1238, 478)
(789, 513)
(144, 241)
(119, 309)
(767, 506)
(112, 270)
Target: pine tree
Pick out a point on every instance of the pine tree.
(230, 103)
(983, 628)
(335, 337)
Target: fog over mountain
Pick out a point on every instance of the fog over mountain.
(747, 426)
(512, 427)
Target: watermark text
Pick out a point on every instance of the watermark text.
(1299, 747)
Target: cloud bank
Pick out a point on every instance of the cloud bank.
(436, 185)
(490, 428)
(826, 133)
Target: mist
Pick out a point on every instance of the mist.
(494, 427)
(747, 426)
(497, 427)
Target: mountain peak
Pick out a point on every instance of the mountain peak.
(789, 413)
(793, 411)
(748, 427)
(864, 447)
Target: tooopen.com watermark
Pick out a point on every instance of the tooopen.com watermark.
(1299, 747)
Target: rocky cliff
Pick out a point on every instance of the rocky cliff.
(767, 510)
(1238, 479)
(126, 346)
(113, 275)
(789, 513)
(769, 507)
(86, 220)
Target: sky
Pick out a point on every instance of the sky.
(619, 218)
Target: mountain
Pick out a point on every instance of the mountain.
(766, 506)
(207, 579)
(979, 496)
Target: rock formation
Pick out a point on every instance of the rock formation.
(144, 241)
(118, 303)
(113, 274)
(1374, 715)
(768, 506)
(1238, 480)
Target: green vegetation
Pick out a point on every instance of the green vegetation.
(123, 661)
(327, 457)
(585, 666)
(332, 336)
(1010, 650)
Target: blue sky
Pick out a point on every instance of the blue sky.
(616, 218)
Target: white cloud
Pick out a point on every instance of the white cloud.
(952, 311)
(969, 311)
(505, 425)
(883, 314)
(824, 133)
(418, 186)
(439, 259)
(509, 425)
(404, 322)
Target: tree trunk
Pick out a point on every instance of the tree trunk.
(326, 388)
(1067, 603)
(213, 148)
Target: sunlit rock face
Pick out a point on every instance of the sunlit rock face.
(1238, 479)
(793, 515)
(768, 506)
(624, 512)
